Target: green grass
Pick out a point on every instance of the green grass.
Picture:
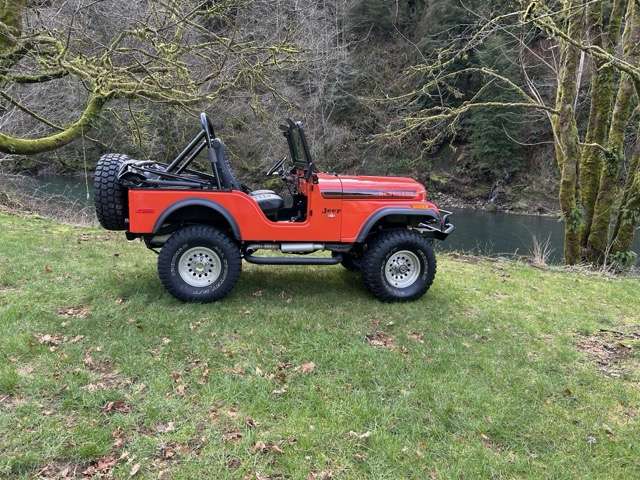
(482, 378)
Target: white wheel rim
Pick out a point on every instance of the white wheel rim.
(199, 266)
(402, 269)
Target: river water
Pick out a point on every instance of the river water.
(477, 232)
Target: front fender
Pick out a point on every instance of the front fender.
(427, 214)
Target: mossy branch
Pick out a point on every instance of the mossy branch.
(153, 61)
(26, 146)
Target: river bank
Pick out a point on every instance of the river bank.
(486, 232)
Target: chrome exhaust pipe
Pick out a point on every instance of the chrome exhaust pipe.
(301, 247)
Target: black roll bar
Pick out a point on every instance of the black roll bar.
(198, 138)
(204, 138)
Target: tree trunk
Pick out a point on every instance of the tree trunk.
(566, 134)
(629, 213)
(608, 191)
(611, 171)
(603, 89)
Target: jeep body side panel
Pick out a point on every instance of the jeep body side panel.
(323, 222)
(338, 208)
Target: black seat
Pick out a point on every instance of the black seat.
(268, 201)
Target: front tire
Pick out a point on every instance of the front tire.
(399, 266)
(199, 264)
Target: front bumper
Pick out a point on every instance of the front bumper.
(440, 230)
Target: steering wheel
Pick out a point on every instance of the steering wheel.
(277, 167)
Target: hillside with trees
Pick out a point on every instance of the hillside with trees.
(340, 59)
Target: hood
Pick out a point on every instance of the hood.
(401, 188)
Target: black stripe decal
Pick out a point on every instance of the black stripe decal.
(369, 194)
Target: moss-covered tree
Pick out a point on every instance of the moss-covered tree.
(174, 52)
(599, 199)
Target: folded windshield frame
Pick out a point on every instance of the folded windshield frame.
(298, 147)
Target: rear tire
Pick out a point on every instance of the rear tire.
(399, 266)
(199, 264)
(109, 196)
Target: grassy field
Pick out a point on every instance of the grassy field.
(500, 371)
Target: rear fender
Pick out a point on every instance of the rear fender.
(188, 203)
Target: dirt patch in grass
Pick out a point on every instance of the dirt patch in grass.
(103, 375)
(10, 402)
(59, 470)
(74, 312)
(381, 340)
(610, 349)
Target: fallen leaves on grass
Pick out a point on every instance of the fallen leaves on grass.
(118, 439)
(25, 370)
(171, 450)
(74, 312)
(181, 387)
(381, 340)
(204, 376)
(48, 339)
(101, 467)
(104, 377)
(232, 436)
(165, 427)
(195, 325)
(232, 412)
(307, 367)
(416, 337)
(609, 348)
(250, 422)
(280, 391)
(58, 471)
(233, 463)
(9, 401)
(489, 443)
(236, 370)
(323, 475)
(134, 470)
(53, 341)
(359, 436)
(181, 390)
(93, 237)
(269, 447)
(262, 476)
(107, 381)
(117, 406)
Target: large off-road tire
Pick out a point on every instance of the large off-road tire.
(398, 266)
(200, 264)
(109, 196)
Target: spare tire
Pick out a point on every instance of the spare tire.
(110, 198)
